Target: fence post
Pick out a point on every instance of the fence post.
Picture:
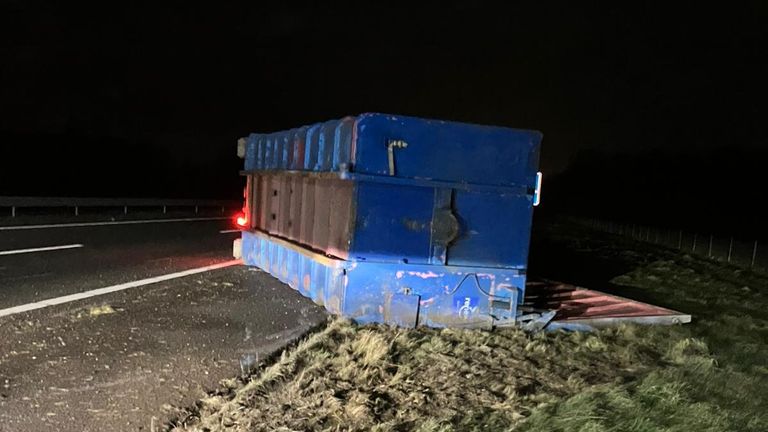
(730, 249)
(754, 255)
(709, 253)
(693, 248)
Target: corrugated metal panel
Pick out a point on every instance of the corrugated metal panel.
(436, 150)
(576, 305)
(415, 206)
(320, 147)
(461, 193)
(316, 213)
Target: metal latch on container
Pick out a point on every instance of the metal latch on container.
(537, 191)
(393, 144)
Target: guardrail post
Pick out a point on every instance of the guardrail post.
(754, 255)
(77, 211)
(164, 209)
(13, 211)
(125, 209)
(730, 249)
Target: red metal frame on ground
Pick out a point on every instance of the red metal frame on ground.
(594, 308)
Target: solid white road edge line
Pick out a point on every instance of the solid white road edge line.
(110, 289)
(40, 249)
(87, 224)
(229, 231)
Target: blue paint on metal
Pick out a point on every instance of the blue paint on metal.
(438, 150)
(404, 295)
(453, 222)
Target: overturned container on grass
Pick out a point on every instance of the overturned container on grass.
(395, 219)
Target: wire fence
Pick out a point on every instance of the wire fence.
(744, 253)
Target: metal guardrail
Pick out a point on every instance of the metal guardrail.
(15, 203)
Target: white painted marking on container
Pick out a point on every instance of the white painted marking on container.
(114, 288)
(40, 249)
(87, 224)
(229, 231)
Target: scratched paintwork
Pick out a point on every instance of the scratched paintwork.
(395, 236)
(379, 292)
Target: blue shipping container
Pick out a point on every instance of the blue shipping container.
(395, 219)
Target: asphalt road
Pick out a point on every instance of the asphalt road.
(110, 254)
(128, 360)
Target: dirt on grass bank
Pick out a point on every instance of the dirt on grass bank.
(707, 376)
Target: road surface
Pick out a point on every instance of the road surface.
(166, 332)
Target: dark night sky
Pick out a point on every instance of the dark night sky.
(149, 100)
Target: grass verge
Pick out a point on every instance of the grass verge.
(707, 376)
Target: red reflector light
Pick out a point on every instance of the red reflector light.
(241, 221)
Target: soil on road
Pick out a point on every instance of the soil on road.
(132, 359)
